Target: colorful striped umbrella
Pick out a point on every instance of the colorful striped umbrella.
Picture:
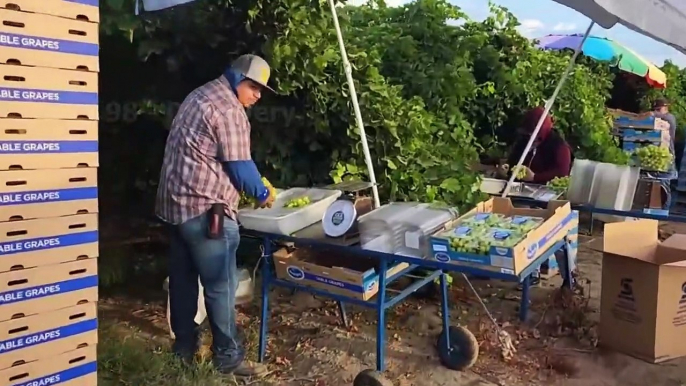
(607, 50)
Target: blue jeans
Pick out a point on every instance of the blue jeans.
(195, 255)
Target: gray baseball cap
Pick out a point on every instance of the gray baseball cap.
(254, 68)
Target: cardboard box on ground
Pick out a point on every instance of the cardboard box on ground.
(643, 296)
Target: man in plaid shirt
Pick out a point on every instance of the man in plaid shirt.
(207, 164)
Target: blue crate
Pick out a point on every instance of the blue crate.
(645, 123)
(642, 135)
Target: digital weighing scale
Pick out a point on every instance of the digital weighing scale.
(340, 218)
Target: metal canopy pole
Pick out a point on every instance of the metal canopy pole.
(548, 106)
(356, 106)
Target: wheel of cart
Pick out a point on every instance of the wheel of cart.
(458, 348)
(371, 377)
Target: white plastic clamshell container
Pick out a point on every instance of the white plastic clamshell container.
(286, 221)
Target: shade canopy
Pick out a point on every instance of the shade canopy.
(607, 50)
(662, 20)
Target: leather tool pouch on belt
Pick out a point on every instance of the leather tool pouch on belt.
(215, 221)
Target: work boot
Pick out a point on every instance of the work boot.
(250, 369)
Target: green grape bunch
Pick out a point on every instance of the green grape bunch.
(653, 157)
(297, 202)
(520, 173)
(559, 184)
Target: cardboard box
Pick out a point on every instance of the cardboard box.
(32, 194)
(346, 275)
(48, 144)
(84, 10)
(34, 92)
(643, 295)
(49, 334)
(560, 219)
(31, 39)
(73, 368)
(35, 243)
(36, 290)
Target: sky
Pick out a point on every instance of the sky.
(562, 20)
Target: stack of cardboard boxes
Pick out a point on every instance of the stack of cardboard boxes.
(636, 131)
(48, 191)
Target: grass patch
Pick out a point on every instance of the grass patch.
(128, 357)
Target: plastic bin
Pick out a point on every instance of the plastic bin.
(286, 221)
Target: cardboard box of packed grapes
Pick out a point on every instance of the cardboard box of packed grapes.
(496, 236)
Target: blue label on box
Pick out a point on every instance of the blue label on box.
(43, 196)
(462, 231)
(47, 147)
(48, 44)
(48, 336)
(519, 220)
(501, 234)
(48, 96)
(95, 3)
(481, 216)
(297, 273)
(62, 376)
(50, 242)
(42, 291)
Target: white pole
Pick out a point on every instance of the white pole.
(548, 106)
(356, 106)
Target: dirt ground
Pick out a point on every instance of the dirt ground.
(308, 345)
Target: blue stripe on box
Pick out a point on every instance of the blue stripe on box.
(47, 147)
(48, 96)
(95, 3)
(298, 274)
(48, 44)
(42, 291)
(46, 336)
(43, 196)
(50, 242)
(62, 376)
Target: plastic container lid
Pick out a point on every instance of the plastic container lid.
(339, 218)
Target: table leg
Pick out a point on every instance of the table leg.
(344, 315)
(567, 273)
(381, 317)
(444, 309)
(266, 278)
(524, 306)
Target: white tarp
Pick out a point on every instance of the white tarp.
(662, 20)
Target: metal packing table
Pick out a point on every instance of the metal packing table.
(313, 237)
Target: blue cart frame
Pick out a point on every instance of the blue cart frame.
(383, 301)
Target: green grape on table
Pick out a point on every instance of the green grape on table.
(500, 237)
(467, 239)
(484, 218)
(559, 184)
(297, 202)
(653, 157)
(523, 224)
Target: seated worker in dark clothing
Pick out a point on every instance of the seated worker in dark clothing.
(549, 157)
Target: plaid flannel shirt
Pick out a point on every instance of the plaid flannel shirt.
(211, 127)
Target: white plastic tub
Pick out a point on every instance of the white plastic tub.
(287, 221)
